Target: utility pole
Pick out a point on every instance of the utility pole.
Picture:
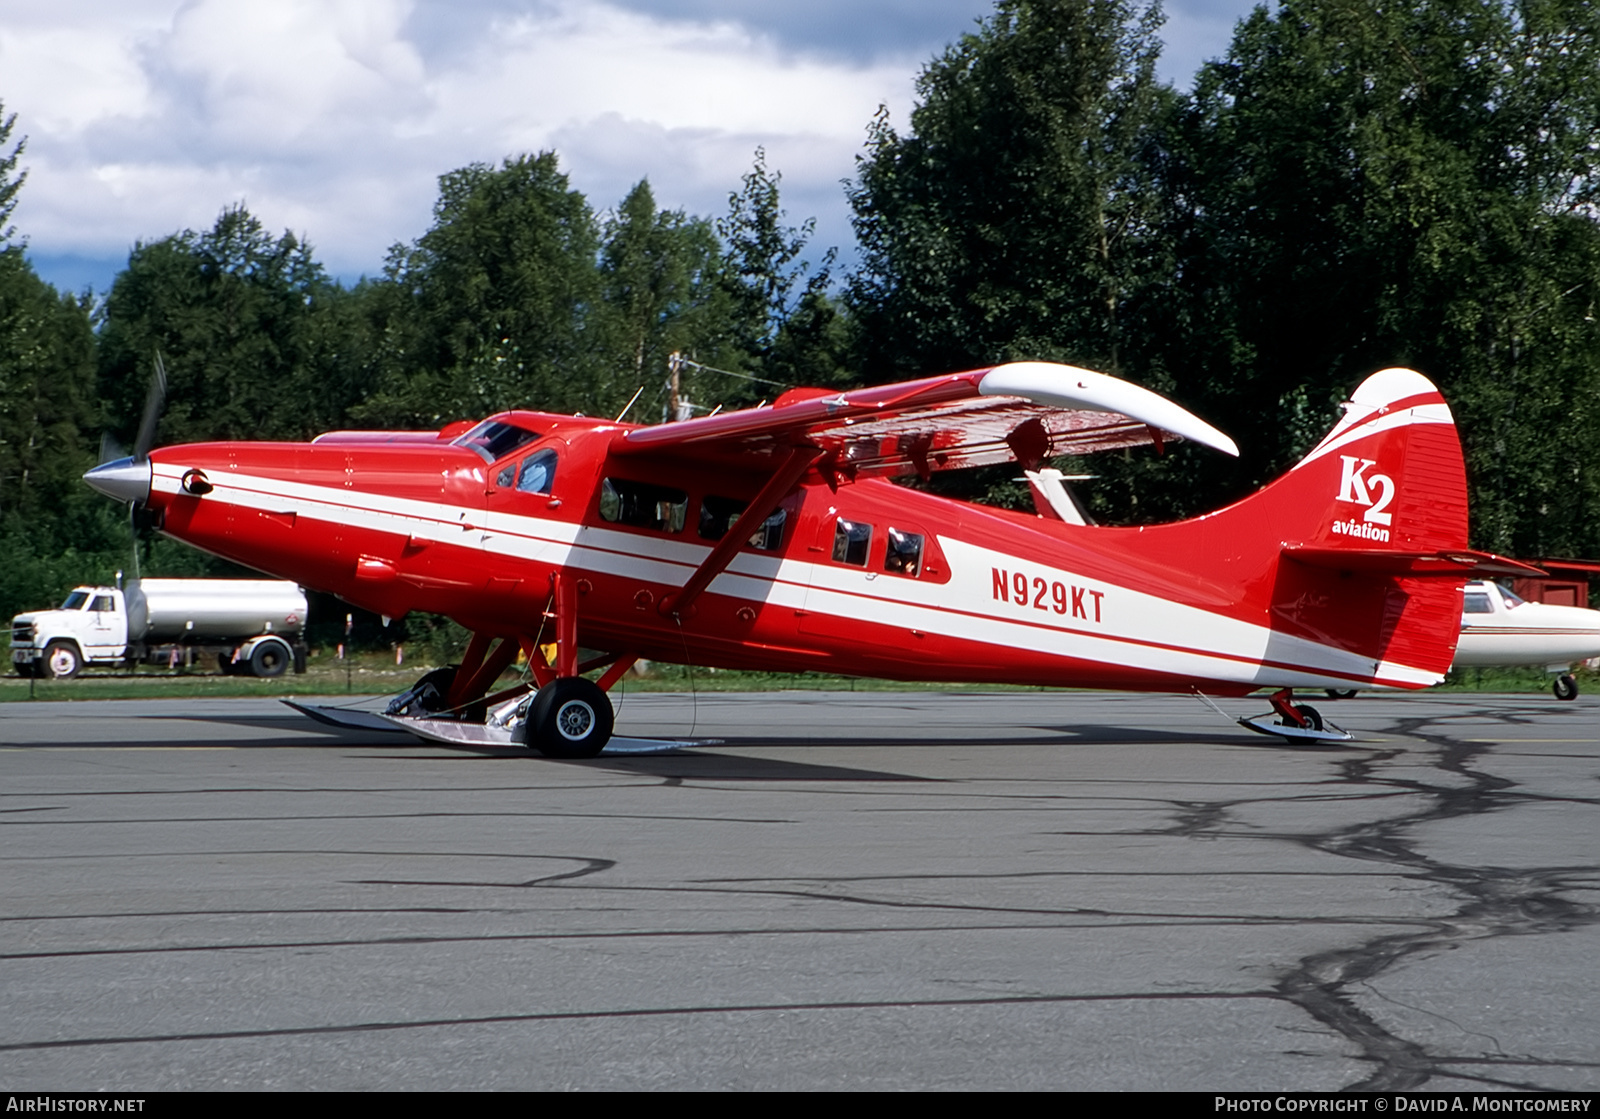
(674, 371)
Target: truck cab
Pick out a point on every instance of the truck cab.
(90, 627)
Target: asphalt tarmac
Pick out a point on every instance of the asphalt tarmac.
(856, 890)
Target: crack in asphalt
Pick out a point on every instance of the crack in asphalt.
(1493, 902)
(631, 1012)
(1496, 901)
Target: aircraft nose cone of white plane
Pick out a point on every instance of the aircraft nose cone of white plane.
(125, 479)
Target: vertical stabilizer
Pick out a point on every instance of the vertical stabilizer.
(1329, 553)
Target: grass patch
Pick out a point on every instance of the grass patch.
(377, 674)
(1514, 680)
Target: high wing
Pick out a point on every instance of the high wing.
(1023, 411)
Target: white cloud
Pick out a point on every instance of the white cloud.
(325, 118)
(334, 118)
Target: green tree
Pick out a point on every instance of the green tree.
(1015, 219)
(10, 181)
(663, 290)
(788, 329)
(497, 305)
(258, 342)
(51, 533)
(1371, 184)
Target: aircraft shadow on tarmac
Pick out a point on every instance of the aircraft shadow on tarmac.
(724, 763)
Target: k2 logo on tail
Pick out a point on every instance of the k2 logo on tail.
(1375, 491)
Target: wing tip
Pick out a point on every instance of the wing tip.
(1070, 386)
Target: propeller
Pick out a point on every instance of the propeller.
(154, 403)
(126, 478)
(155, 400)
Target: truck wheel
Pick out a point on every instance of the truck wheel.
(269, 659)
(61, 660)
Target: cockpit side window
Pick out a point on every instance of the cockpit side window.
(494, 439)
(538, 473)
(1477, 602)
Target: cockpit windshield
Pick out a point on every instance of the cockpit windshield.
(494, 439)
(1512, 601)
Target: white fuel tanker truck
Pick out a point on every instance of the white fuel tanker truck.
(252, 626)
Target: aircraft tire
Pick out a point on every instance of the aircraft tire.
(1310, 714)
(1565, 686)
(569, 718)
(62, 661)
(1340, 693)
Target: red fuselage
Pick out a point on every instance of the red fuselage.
(863, 577)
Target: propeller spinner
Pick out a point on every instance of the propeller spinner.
(128, 479)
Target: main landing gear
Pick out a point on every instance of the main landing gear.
(1565, 686)
(560, 713)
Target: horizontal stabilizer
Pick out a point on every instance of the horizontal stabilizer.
(1452, 564)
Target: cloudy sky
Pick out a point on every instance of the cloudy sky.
(334, 118)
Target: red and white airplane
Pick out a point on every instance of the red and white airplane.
(774, 539)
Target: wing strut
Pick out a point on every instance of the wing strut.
(781, 482)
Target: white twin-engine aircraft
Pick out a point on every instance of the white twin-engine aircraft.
(775, 539)
(1498, 628)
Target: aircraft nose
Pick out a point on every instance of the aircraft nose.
(126, 479)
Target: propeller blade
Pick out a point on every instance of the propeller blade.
(153, 404)
(133, 536)
(110, 449)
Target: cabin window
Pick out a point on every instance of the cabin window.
(1479, 603)
(718, 514)
(642, 505)
(851, 540)
(104, 604)
(538, 473)
(904, 553)
(494, 439)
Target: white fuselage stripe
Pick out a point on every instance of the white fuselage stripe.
(1136, 630)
